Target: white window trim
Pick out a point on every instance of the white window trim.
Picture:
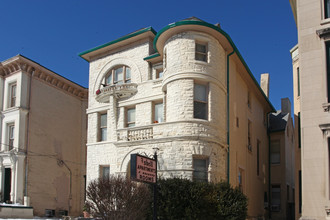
(206, 54)
(9, 133)
(10, 94)
(112, 74)
(100, 127)
(127, 123)
(207, 100)
(154, 111)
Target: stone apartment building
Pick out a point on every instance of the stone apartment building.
(282, 161)
(311, 74)
(43, 137)
(186, 92)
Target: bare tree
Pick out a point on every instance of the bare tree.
(118, 198)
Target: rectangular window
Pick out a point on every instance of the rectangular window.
(130, 117)
(249, 135)
(258, 157)
(326, 8)
(103, 127)
(159, 73)
(275, 156)
(298, 81)
(158, 113)
(241, 179)
(200, 101)
(249, 99)
(200, 167)
(105, 172)
(119, 75)
(276, 198)
(328, 69)
(12, 95)
(11, 136)
(299, 132)
(300, 191)
(201, 51)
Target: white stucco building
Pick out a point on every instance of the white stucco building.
(187, 92)
(43, 136)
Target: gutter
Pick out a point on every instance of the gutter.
(269, 168)
(228, 152)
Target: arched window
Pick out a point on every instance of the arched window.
(118, 75)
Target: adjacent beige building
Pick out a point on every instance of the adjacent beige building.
(43, 137)
(311, 74)
(187, 93)
(282, 162)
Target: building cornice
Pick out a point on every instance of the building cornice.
(21, 63)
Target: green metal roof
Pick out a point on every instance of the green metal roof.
(138, 32)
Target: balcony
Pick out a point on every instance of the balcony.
(190, 129)
(135, 134)
(117, 90)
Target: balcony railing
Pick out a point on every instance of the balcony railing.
(170, 130)
(135, 134)
(117, 90)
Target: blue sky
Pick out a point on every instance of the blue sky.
(53, 33)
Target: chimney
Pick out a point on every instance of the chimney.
(286, 105)
(264, 83)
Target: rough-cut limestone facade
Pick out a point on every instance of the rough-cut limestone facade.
(180, 123)
(181, 137)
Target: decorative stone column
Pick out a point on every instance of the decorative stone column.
(112, 118)
(13, 181)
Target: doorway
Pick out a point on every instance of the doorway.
(7, 187)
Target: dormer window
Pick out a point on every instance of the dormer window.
(118, 75)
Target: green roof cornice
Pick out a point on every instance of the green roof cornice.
(218, 29)
(152, 56)
(119, 40)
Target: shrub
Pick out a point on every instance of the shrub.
(117, 198)
(184, 199)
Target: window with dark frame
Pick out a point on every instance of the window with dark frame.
(241, 179)
(326, 9)
(249, 135)
(118, 75)
(258, 157)
(103, 127)
(200, 166)
(298, 81)
(201, 51)
(299, 132)
(276, 198)
(200, 101)
(105, 172)
(275, 152)
(328, 69)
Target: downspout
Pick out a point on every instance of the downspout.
(27, 141)
(269, 168)
(228, 153)
(60, 162)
